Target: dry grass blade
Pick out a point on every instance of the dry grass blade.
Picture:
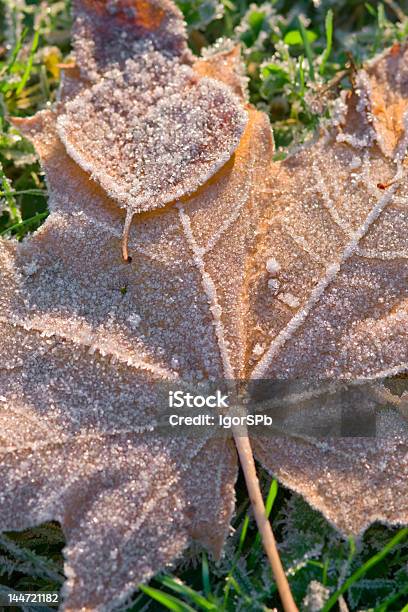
(268, 539)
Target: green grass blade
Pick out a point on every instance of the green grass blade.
(39, 192)
(325, 571)
(329, 40)
(229, 581)
(382, 21)
(383, 607)
(29, 67)
(243, 535)
(205, 573)
(25, 223)
(166, 600)
(353, 549)
(270, 500)
(308, 49)
(15, 52)
(370, 9)
(42, 567)
(401, 535)
(7, 192)
(302, 81)
(182, 589)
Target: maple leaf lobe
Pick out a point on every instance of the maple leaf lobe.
(150, 129)
(342, 249)
(105, 32)
(386, 83)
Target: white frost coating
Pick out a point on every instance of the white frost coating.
(274, 285)
(211, 292)
(289, 299)
(339, 111)
(354, 141)
(258, 349)
(294, 323)
(272, 266)
(328, 202)
(388, 372)
(316, 596)
(31, 268)
(364, 92)
(304, 245)
(149, 505)
(116, 231)
(88, 339)
(355, 163)
(134, 320)
(374, 214)
(229, 221)
(293, 399)
(363, 107)
(154, 132)
(331, 273)
(383, 255)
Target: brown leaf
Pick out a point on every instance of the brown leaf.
(71, 451)
(354, 480)
(332, 303)
(65, 316)
(226, 66)
(106, 34)
(292, 271)
(149, 130)
(385, 84)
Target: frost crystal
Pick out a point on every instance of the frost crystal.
(150, 130)
(273, 266)
(289, 299)
(134, 320)
(316, 597)
(274, 285)
(31, 268)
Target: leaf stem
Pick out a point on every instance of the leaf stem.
(268, 539)
(125, 238)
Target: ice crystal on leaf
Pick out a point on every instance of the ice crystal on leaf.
(149, 130)
(78, 437)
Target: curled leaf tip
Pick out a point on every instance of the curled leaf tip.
(108, 32)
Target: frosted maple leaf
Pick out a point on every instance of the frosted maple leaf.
(243, 269)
